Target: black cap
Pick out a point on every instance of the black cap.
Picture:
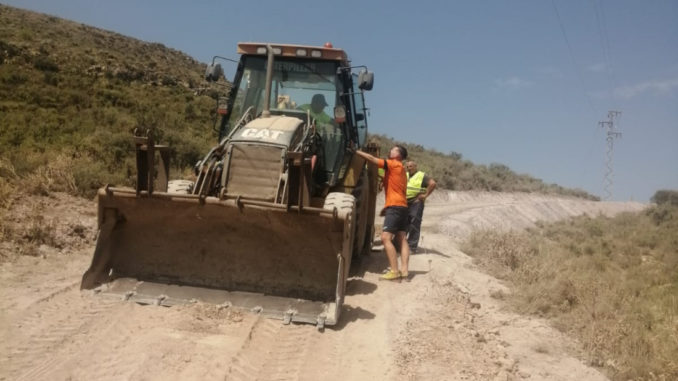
(319, 99)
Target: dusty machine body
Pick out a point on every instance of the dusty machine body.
(279, 206)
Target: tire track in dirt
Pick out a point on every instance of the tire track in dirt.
(274, 352)
(53, 294)
(198, 342)
(247, 363)
(68, 315)
(320, 361)
(115, 354)
(291, 350)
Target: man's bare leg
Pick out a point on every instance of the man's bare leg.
(387, 240)
(404, 252)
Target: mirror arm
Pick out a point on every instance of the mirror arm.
(223, 58)
(345, 68)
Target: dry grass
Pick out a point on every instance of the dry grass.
(40, 231)
(7, 189)
(54, 176)
(28, 230)
(612, 282)
(7, 178)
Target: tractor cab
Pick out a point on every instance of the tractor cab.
(313, 84)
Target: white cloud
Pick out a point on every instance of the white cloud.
(513, 82)
(656, 87)
(597, 67)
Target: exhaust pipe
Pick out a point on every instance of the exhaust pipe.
(269, 78)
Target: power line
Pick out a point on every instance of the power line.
(604, 41)
(574, 62)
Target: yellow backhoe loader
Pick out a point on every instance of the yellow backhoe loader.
(277, 210)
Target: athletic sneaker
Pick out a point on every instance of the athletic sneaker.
(391, 275)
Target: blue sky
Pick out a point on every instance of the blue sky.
(492, 80)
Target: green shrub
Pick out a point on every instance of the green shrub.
(14, 79)
(665, 197)
(8, 51)
(44, 63)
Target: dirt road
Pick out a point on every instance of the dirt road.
(443, 325)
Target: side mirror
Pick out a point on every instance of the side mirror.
(365, 80)
(213, 72)
(359, 116)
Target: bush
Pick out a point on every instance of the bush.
(43, 63)
(14, 79)
(8, 51)
(665, 197)
(41, 232)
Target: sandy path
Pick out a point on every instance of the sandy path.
(441, 325)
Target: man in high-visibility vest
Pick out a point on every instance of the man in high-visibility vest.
(419, 187)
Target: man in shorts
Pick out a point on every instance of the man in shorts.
(395, 209)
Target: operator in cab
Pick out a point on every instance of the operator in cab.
(317, 109)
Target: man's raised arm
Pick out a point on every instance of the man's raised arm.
(368, 157)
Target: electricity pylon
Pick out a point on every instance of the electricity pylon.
(612, 134)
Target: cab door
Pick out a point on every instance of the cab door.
(359, 111)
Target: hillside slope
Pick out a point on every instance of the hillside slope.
(452, 172)
(75, 92)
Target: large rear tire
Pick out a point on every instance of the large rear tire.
(360, 192)
(345, 205)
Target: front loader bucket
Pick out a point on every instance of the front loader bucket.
(168, 249)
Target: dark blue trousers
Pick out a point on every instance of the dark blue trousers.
(416, 213)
